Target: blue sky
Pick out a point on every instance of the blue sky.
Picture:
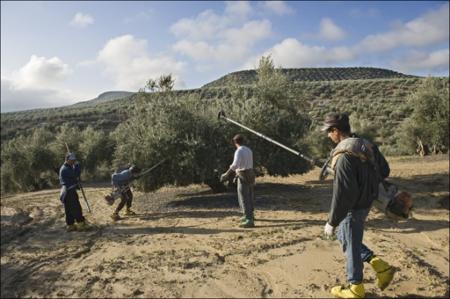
(58, 53)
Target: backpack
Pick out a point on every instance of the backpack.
(394, 203)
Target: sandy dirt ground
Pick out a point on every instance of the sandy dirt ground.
(185, 242)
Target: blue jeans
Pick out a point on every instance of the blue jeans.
(350, 234)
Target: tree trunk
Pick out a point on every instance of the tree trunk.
(420, 148)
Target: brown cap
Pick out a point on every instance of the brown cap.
(336, 120)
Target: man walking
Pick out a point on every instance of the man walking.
(359, 167)
(121, 182)
(243, 167)
(69, 176)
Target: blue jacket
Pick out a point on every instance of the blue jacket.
(122, 178)
(68, 175)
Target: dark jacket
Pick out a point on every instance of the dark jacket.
(68, 175)
(355, 184)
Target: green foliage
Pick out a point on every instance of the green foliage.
(151, 85)
(179, 129)
(319, 144)
(96, 148)
(32, 162)
(27, 163)
(166, 82)
(186, 131)
(397, 111)
(249, 77)
(426, 130)
(362, 127)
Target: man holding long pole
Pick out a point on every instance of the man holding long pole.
(69, 175)
(243, 167)
(121, 181)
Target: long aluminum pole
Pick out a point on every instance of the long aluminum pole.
(152, 168)
(222, 115)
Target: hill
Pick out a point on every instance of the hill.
(380, 101)
(376, 95)
(311, 74)
(105, 97)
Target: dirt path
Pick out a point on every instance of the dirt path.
(185, 242)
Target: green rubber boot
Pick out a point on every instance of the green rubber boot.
(244, 218)
(247, 223)
(385, 273)
(352, 291)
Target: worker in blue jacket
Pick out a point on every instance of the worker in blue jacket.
(69, 176)
(121, 182)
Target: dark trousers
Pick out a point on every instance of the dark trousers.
(126, 198)
(246, 197)
(72, 207)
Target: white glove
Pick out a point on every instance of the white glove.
(329, 230)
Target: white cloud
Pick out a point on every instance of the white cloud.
(205, 26)
(233, 44)
(41, 72)
(238, 8)
(225, 39)
(130, 65)
(38, 84)
(436, 61)
(429, 29)
(15, 99)
(81, 20)
(291, 53)
(249, 33)
(330, 31)
(278, 7)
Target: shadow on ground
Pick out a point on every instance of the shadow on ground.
(407, 227)
(200, 229)
(268, 196)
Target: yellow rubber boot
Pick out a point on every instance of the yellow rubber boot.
(71, 228)
(352, 291)
(129, 212)
(115, 216)
(385, 273)
(83, 226)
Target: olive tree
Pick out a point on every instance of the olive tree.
(427, 127)
(184, 129)
(27, 162)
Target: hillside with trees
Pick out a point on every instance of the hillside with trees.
(248, 77)
(403, 114)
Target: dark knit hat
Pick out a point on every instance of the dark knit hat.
(71, 156)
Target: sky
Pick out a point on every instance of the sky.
(58, 53)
